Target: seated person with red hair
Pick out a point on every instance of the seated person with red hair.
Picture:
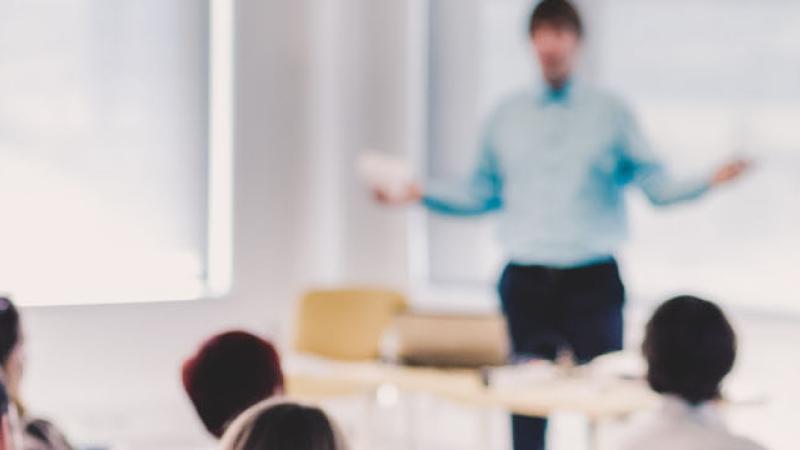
(230, 373)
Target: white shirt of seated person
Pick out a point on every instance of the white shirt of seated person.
(677, 425)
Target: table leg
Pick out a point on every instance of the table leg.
(594, 435)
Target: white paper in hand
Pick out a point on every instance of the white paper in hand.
(390, 174)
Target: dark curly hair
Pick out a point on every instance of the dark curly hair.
(690, 347)
(231, 372)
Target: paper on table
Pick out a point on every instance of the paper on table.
(391, 174)
(528, 374)
(622, 364)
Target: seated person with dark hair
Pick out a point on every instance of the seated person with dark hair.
(281, 425)
(230, 373)
(35, 434)
(690, 347)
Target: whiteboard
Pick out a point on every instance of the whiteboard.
(709, 80)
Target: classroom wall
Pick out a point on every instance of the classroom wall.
(112, 372)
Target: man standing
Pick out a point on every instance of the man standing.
(554, 162)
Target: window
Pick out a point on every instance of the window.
(709, 79)
(112, 158)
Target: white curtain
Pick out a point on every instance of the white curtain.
(103, 149)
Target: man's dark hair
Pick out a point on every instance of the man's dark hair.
(560, 13)
(690, 346)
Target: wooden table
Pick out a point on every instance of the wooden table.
(596, 397)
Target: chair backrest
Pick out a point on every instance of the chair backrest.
(345, 324)
(449, 340)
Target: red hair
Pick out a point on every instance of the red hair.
(231, 372)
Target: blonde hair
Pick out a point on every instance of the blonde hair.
(244, 430)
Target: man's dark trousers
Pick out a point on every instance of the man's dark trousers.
(549, 310)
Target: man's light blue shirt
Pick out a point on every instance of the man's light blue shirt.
(554, 164)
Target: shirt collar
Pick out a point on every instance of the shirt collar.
(547, 95)
(705, 412)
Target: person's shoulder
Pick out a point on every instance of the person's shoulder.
(606, 97)
(734, 442)
(515, 99)
(644, 430)
(675, 426)
(652, 440)
(665, 437)
(658, 436)
(511, 105)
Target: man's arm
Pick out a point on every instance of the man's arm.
(640, 165)
(480, 193)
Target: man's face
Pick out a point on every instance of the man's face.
(557, 48)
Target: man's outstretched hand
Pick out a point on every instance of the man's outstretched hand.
(408, 195)
(730, 171)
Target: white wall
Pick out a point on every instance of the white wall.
(112, 372)
(358, 101)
